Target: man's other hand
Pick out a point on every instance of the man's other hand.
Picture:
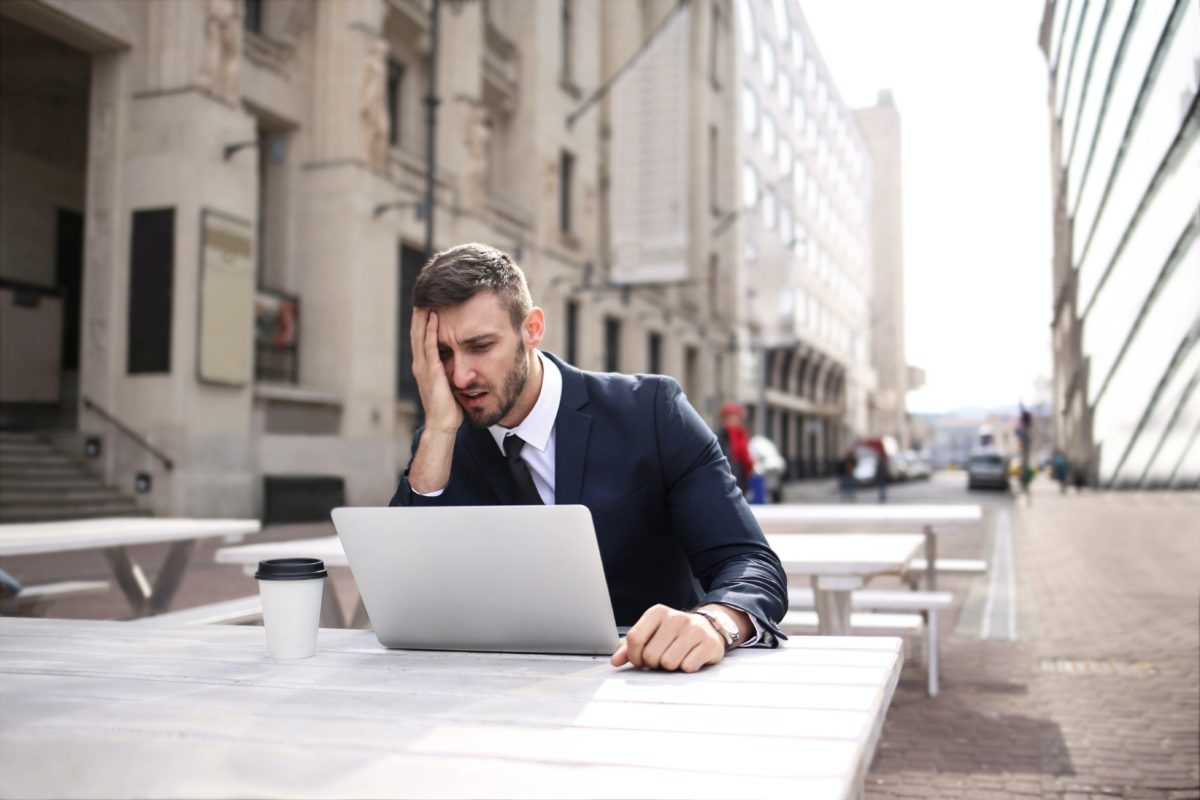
(671, 640)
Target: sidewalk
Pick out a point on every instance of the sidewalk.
(1099, 694)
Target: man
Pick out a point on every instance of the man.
(734, 441)
(506, 424)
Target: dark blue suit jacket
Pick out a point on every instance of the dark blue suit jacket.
(672, 526)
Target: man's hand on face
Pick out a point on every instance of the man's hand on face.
(667, 639)
(442, 411)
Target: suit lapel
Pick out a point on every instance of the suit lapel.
(488, 460)
(572, 427)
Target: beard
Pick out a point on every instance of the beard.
(514, 384)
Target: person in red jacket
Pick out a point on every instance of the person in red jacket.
(735, 444)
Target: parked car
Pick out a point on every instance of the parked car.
(918, 467)
(770, 464)
(987, 470)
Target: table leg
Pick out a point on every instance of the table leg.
(930, 559)
(831, 596)
(170, 576)
(332, 615)
(130, 578)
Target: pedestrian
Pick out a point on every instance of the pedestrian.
(846, 476)
(687, 566)
(881, 475)
(1060, 468)
(735, 444)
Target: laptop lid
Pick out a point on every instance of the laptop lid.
(517, 579)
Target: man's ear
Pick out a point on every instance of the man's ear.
(534, 328)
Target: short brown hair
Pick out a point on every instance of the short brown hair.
(454, 276)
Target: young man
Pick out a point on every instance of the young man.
(687, 565)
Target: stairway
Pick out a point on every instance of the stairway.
(40, 484)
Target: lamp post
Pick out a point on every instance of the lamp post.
(431, 104)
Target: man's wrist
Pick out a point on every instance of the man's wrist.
(723, 622)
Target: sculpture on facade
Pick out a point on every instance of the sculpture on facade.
(222, 39)
(373, 105)
(477, 136)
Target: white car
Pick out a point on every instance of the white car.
(987, 469)
(770, 464)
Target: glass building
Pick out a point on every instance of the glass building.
(1125, 143)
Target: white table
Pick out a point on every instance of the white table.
(840, 563)
(115, 535)
(107, 709)
(327, 548)
(932, 520)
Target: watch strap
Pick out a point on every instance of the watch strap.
(731, 637)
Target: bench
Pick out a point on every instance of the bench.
(241, 611)
(895, 602)
(32, 600)
(946, 566)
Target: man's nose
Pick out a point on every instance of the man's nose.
(462, 372)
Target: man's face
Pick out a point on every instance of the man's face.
(486, 361)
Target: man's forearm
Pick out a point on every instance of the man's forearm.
(430, 471)
(745, 627)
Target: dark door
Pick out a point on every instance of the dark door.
(68, 258)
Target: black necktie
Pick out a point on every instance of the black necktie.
(525, 493)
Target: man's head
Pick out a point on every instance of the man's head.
(487, 330)
(732, 414)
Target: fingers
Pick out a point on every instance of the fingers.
(670, 640)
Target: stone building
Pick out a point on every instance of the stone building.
(213, 212)
(806, 187)
(1125, 154)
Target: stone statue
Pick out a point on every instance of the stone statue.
(373, 105)
(222, 41)
(477, 135)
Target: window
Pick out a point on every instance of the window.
(749, 110)
(151, 288)
(785, 156)
(411, 261)
(253, 19)
(785, 91)
(781, 19)
(714, 169)
(572, 333)
(691, 376)
(767, 62)
(716, 67)
(745, 23)
(566, 170)
(714, 283)
(770, 209)
(769, 137)
(749, 185)
(612, 344)
(797, 48)
(654, 353)
(395, 83)
(567, 42)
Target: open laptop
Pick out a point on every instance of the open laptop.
(517, 579)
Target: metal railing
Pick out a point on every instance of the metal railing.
(131, 434)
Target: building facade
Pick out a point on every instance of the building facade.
(214, 211)
(805, 247)
(880, 126)
(1125, 149)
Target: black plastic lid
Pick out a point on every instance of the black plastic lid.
(290, 569)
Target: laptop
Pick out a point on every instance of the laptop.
(510, 579)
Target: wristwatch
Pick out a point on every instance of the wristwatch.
(724, 625)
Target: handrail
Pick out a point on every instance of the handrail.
(137, 438)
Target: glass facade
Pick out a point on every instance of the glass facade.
(1127, 116)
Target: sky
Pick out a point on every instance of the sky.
(970, 84)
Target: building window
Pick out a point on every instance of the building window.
(746, 26)
(767, 62)
(566, 174)
(714, 169)
(567, 19)
(572, 333)
(395, 85)
(151, 289)
(612, 344)
(253, 19)
(769, 135)
(749, 110)
(714, 283)
(654, 353)
(411, 261)
(691, 371)
(749, 186)
(715, 65)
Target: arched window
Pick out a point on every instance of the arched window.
(745, 21)
(749, 110)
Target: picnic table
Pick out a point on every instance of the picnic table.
(109, 709)
(327, 548)
(840, 563)
(930, 519)
(115, 535)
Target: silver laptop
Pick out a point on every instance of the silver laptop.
(516, 579)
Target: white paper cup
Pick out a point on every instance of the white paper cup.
(291, 590)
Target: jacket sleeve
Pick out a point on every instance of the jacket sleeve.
(405, 496)
(726, 547)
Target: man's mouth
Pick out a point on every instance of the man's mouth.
(470, 399)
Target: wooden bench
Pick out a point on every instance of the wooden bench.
(32, 600)
(945, 566)
(896, 603)
(240, 611)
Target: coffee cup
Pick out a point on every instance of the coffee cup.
(291, 590)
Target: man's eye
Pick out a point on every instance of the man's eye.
(483, 348)
(443, 354)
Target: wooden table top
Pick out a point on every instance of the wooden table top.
(103, 709)
(848, 554)
(817, 517)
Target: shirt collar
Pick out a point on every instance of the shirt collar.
(537, 426)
